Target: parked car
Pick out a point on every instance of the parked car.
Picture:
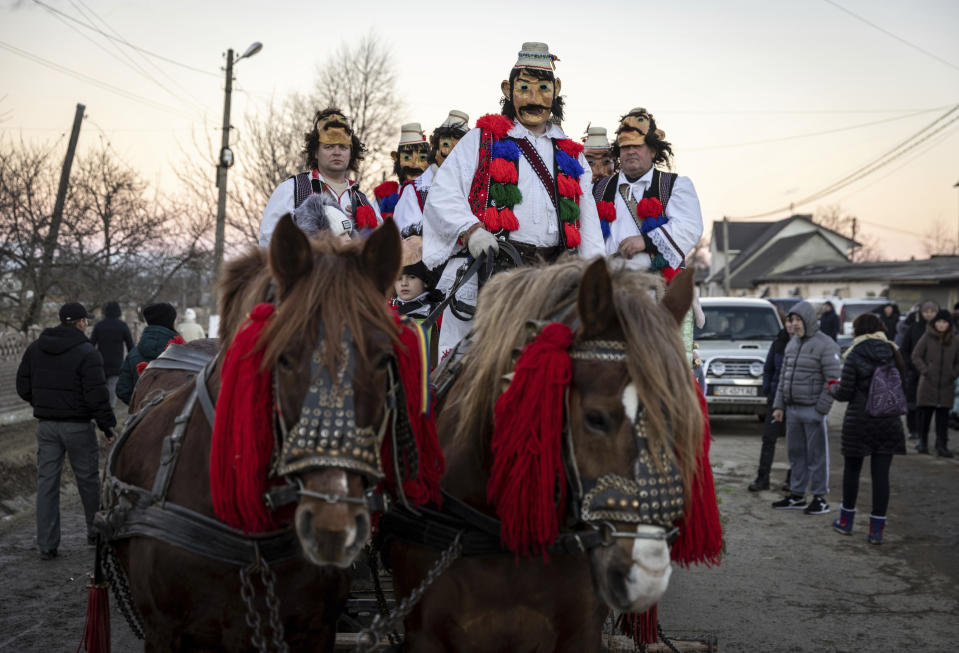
(853, 308)
(783, 303)
(732, 345)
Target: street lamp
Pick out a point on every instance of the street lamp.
(224, 163)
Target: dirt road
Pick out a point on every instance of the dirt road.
(787, 584)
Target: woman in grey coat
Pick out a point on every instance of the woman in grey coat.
(810, 361)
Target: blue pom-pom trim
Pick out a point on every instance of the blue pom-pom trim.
(568, 164)
(505, 149)
(652, 223)
(604, 225)
(388, 203)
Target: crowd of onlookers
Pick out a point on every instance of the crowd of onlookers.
(895, 366)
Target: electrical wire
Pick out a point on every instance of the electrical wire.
(127, 43)
(890, 34)
(91, 80)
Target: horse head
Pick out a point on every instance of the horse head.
(331, 346)
(633, 424)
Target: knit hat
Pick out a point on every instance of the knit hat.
(537, 56)
(161, 314)
(411, 134)
(596, 139)
(112, 309)
(73, 312)
(942, 314)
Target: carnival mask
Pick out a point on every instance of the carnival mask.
(444, 146)
(633, 130)
(532, 99)
(410, 161)
(600, 163)
(333, 129)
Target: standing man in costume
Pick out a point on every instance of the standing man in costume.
(331, 150)
(654, 216)
(409, 209)
(515, 177)
(410, 160)
(596, 149)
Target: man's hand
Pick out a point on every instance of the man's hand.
(778, 415)
(109, 434)
(632, 246)
(482, 241)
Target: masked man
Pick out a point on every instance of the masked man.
(654, 216)
(409, 209)
(515, 177)
(410, 160)
(331, 150)
(596, 149)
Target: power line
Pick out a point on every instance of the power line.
(883, 160)
(809, 134)
(126, 43)
(895, 36)
(91, 80)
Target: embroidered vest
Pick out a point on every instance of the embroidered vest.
(304, 185)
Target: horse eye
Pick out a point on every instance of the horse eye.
(284, 362)
(597, 421)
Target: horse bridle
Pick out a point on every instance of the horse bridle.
(654, 496)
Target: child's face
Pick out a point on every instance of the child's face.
(942, 326)
(408, 287)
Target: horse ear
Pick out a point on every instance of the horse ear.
(595, 302)
(291, 256)
(679, 294)
(382, 253)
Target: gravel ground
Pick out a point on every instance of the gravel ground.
(788, 583)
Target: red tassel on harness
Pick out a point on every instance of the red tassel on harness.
(700, 531)
(243, 431)
(412, 361)
(527, 468)
(96, 631)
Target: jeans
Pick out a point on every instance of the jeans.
(77, 440)
(112, 388)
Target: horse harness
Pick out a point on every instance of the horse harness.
(653, 496)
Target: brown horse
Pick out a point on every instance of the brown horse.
(156, 381)
(629, 377)
(323, 292)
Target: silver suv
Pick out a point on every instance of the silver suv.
(733, 345)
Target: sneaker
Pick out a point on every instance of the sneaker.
(791, 502)
(817, 506)
(48, 555)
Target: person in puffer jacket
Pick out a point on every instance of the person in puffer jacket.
(810, 361)
(160, 318)
(863, 435)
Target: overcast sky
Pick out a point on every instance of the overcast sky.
(744, 89)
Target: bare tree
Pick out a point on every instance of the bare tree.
(360, 79)
(699, 256)
(832, 217)
(940, 240)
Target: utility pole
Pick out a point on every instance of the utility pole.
(50, 242)
(855, 225)
(726, 255)
(226, 160)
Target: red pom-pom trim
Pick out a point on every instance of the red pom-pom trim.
(503, 171)
(142, 365)
(649, 207)
(178, 340)
(668, 273)
(365, 217)
(571, 147)
(573, 238)
(496, 124)
(491, 219)
(606, 210)
(568, 187)
(386, 189)
(507, 220)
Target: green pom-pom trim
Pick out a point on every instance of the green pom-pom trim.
(568, 210)
(505, 195)
(658, 263)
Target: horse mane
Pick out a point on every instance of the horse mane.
(337, 284)
(656, 360)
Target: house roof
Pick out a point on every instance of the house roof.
(767, 259)
(933, 270)
(741, 234)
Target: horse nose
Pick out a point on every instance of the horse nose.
(329, 541)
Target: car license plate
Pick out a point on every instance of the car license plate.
(734, 390)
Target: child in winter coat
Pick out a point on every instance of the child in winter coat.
(863, 434)
(810, 361)
(936, 358)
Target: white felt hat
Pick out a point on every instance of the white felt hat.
(456, 118)
(411, 133)
(596, 139)
(535, 55)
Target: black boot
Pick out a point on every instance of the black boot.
(922, 446)
(761, 483)
(941, 449)
(766, 455)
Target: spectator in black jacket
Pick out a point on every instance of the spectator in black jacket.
(160, 318)
(829, 320)
(61, 376)
(110, 336)
(772, 430)
(889, 314)
(863, 435)
(927, 311)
